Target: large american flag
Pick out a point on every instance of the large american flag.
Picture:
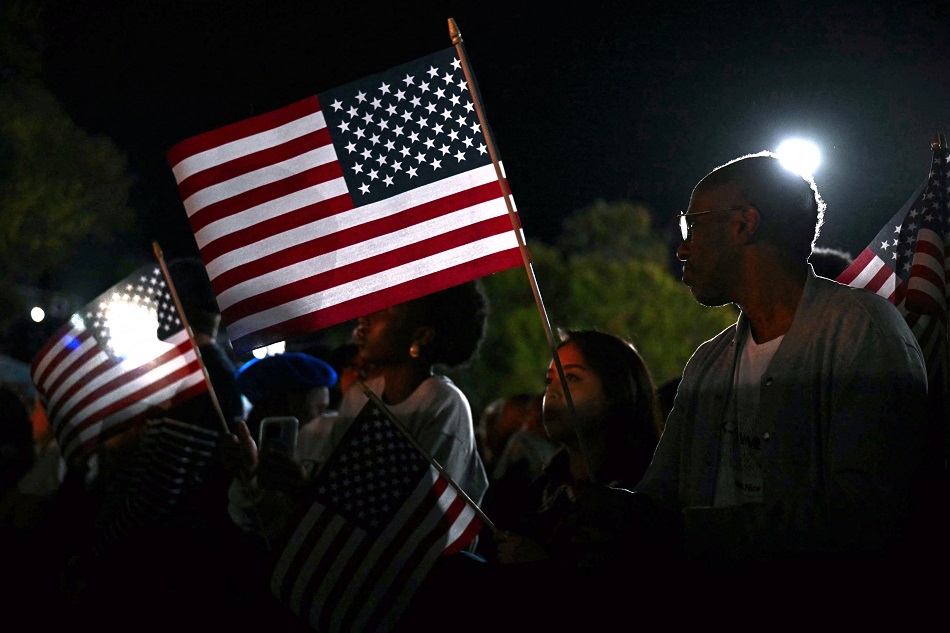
(343, 203)
(123, 358)
(381, 515)
(907, 262)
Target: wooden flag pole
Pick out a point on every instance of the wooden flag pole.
(456, 36)
(211, 392)
(191, 336)
(435, 464)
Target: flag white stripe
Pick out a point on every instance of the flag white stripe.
(373, 283)
(123, 368)
(55, 349)
(312, 612)
(292, 548)
(138, 406)
(276, 172)
(321, 550)
(361, 591)
(354, 217)
(411, 584)
(867, 274)
(68, 366)
(248, 145)
(361, 251)
(270, 210)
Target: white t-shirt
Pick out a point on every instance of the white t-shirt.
(739, 478)
(437, 414)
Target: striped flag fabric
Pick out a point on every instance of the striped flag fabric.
(123, 358)
(907, 262)
(380, 516)
(346, 202)
(170, 460)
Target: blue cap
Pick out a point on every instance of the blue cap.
(263, 378)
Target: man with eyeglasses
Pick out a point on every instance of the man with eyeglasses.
(796, 435)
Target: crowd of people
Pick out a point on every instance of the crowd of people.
(792, 465)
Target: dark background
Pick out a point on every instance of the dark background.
(597, 100)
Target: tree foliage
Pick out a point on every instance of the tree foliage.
(60, 187)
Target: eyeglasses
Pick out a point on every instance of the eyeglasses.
(686, 224)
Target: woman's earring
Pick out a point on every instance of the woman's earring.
(414, 350)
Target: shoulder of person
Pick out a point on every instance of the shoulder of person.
(858, 304)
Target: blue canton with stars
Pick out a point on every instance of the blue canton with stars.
(896, 242)
(146, 287)
(407, 127)
(371, 473)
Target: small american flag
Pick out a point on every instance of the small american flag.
(907, 262)
(123, 358)
(359, 198)
(380, 516)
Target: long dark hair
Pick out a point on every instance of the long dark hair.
(633, 421)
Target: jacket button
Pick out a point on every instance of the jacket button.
(766, 436)
(768, 381)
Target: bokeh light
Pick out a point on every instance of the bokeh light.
(801, 156)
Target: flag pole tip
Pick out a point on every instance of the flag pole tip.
(454, 32)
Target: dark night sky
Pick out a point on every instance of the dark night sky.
(605, 100)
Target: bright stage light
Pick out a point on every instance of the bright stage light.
(37, 314)
(802, 157)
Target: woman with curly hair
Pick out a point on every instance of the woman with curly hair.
(400, 346)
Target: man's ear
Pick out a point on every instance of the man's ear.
(749, 224)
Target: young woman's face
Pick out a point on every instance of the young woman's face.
(384, 337)
(587, 394)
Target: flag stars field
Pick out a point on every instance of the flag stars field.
(377, 138)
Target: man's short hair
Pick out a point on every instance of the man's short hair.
(792, 210)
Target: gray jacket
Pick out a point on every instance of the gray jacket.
(842, 413)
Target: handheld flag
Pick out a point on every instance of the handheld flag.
(343, 203)
(380, 516)
(123, 358)
(907, 260)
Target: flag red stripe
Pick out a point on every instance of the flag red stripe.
(97, 440)
(319, 576)
(296, 567)
(252, 162)
(54, 343)
(358, 270)
(288, 221)
(65, 361)
(355, 235)
(880, 278)
(56, 386)
(268, 192)
(119, 404)
(129, 376)
(861, 262)
(115, 408)
(242, 129)
(381, 597)
(390, 296)
(346, 573)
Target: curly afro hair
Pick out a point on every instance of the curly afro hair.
(459, 316)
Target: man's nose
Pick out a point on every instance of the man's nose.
(682, 251)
